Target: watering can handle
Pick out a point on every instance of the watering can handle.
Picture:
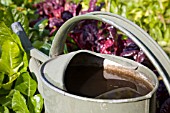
(152, 50)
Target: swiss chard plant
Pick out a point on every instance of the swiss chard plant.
(18, 89)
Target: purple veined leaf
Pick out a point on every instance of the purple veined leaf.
(88, 34)
(140, 57)
(58, 2)
(113, 31)
(92, 5)
(65, 15)
(119, 45)
(57, 12)
(71, 7)
(106, 46)
(129, 53)
(55, 22)
(53, 30)
(48, 8)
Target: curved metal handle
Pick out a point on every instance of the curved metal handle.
(152, 50)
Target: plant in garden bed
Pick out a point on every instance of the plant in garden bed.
(18, 90)
(52, 14)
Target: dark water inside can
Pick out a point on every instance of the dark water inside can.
(97, 82)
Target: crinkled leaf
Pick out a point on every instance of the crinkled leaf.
(7, 34)
(6, 80)
(35, 103)
(12, 50)
(12, 55)
(12, 62)
(13, 59)
(19, 103)
(25, 84)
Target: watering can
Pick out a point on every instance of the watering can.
(51, 70)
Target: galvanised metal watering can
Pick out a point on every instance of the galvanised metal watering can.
(51, 73)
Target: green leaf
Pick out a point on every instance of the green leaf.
(37, 44)
(45, 48)
(12, 50)
(19, 103)
(4, 109)
(0, 51)
(7, 100)
(65, 49)
(26, 85)
(5, 33)
(3, 91)
(13, 57)
(167, 34)
(151, 15)
(6, 2)
(35, 103)
(18, 2)
(41, 24)
(1, 14)
(6, 81)
(12, 62)
(12, 15)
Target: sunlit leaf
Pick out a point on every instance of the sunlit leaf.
(4, 109)
(12, 15)
(19, 103)
(36, 103)
(26, 85)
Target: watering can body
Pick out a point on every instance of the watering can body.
(51, 73)
(58, 100)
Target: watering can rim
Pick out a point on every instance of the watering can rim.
(62, 91)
